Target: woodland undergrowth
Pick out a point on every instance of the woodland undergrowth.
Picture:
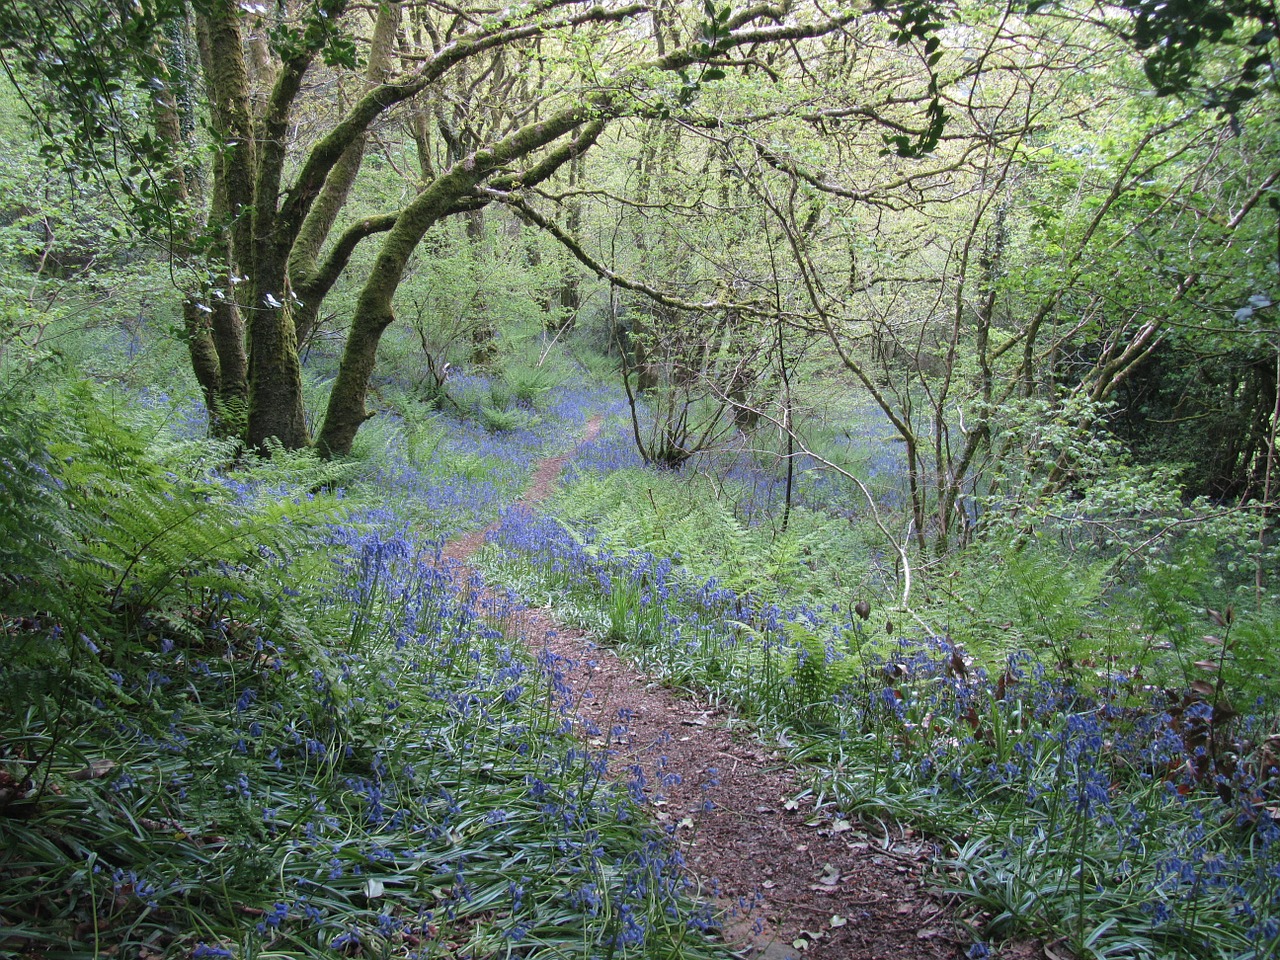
(246, 711)
(1093, 745)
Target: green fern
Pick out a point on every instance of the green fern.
(528, 384)
(663, 515)
(149, 540)
(1033, 597)
(503, 419)
(112, 548)
(1056, 600)
(33, 518)
(818, 673)
(107, 530)
(783, 563)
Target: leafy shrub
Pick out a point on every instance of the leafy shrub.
(499, 420)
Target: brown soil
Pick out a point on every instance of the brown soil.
(794, 880)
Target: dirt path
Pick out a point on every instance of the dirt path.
(796, 881)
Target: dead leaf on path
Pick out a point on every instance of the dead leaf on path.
(840, 826)
(830, 875)
(838, 921)
(806, 939)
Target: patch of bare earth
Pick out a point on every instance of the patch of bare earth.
(793, 880)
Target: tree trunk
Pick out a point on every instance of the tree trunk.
(570, 294)
(373, 314)
(212, 324)
(311, 283)
(204, 358)
(484, 337)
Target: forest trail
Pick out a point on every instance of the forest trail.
(795, 881)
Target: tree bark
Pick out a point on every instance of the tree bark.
(212, 324)
(373, 314)
(310, 284)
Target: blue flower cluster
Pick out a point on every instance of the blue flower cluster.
(1112, 779)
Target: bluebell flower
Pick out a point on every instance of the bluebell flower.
(345, 940)
(205, 950)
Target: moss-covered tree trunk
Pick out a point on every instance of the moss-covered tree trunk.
(254, 131)
(373, 314)
(221, 45)
(212, 324)
(310, 278)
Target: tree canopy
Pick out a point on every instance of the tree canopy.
(987, 197)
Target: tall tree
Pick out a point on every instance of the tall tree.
(274, 207)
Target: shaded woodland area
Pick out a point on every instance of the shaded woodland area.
(936, 349)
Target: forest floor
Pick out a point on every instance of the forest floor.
(793, 880)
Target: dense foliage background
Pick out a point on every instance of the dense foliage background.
(937, 353)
